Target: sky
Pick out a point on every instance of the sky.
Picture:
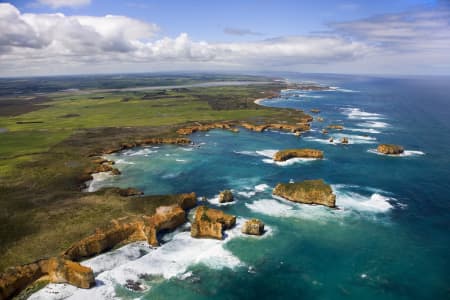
(50, 37)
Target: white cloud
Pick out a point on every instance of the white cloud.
(64, 3)
(56, 43)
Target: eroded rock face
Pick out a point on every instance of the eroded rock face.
(206, 127)
(210, 223)
(284, 155)
(308, 192)
(253, 227)
(226, 196)
(55, 270)
(390, 149)
(299, 127)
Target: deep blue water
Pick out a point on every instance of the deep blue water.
(389, 239)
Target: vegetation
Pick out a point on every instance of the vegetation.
(47, 146)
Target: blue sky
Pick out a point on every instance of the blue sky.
(323, 35)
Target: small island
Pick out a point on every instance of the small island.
(210, 223)
(307, 192)
(390, 149)
(284, 155)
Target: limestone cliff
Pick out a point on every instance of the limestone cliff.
(284, 155)
(308, 192)
(210, 223)
(226, 196)
(55, 270)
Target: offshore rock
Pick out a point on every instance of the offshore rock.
(226, 196)
(307, 192)
(253, 227)
(210, 223)
(390, 149)
(284, 155)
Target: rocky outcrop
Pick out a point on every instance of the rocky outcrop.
(390, 149)
(284, 155)
(324, 131)
(344, 140)
(294, 128)
(308, 192)
(253, 227)
(226, 196)
(319, 119)
(315, 110)
(206, 127)
(55, 270)
(210, 223)
(336, 127)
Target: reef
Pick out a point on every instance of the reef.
(307, 192)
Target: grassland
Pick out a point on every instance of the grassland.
(47, 146)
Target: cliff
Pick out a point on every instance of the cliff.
(55, 270)
(206, 127)
(210, 223)
(308, 192)
(390, 149)
(284, 155)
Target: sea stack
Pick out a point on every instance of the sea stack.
(253, 227)
(210, 223)
(307, 192)
(226, 196)
(390, 149)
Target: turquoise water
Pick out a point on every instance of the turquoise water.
(389, 239)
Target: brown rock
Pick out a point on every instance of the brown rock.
(315, 110)
(253, 227)
(344, 140)
(337, 127)
(308, 192)
(284, 155)
(390, 149)
(55, 270)
(226, 196)
(209, 223)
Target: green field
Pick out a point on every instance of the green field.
(48, 141)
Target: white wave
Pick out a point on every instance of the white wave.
(283, 208)
(187, 149)
(289, 162)
(97, 181)
(257, 189)
(373, 124)
(141, 152)
(171, 175)
(170, 260)
(322, 141)
(375, 203)
(367, 130)
(124, 162)
(250, 153)
(180, 160)
(356, 113)
(406, 153)
(267, 153)
(354, 139)
(261, 187)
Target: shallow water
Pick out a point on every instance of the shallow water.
(389, 239)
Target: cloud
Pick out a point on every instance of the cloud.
(60, 40)
(240, 31)
(412, 31)
(412, 42)
(64, 3)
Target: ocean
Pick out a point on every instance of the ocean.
(388, 239)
